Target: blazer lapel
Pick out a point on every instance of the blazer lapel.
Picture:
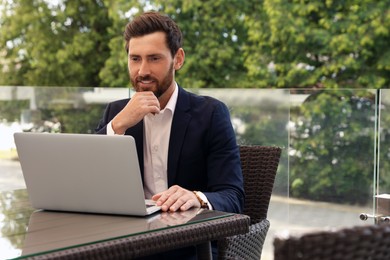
(180, 121)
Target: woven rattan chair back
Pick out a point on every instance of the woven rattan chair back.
(259, 165)
(355, 243)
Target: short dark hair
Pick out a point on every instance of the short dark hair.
(151, 22)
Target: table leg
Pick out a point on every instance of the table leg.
(204, 251)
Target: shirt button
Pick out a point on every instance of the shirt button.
(155, 148)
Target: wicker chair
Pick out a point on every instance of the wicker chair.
(353, 243)
(259, 166)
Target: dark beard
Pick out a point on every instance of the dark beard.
(161, 87)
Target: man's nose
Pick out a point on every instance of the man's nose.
(144, 69)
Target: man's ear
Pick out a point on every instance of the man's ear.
(179, 58)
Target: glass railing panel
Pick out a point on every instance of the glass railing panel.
(261, 117)
(46, 109)
(332, 141)
(383, 162)
(326, 173)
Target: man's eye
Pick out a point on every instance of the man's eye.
(134, 59)
(154, 58)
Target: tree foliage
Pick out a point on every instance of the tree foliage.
(229, 43)
(333, 147)
(302, 43)
(46, 44)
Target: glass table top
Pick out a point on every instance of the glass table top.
(26, 231)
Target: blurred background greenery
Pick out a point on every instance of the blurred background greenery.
(290, 44)
(334, 53)
(229, 43)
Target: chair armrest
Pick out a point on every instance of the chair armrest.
(245, 246)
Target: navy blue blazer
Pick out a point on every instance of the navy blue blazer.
(203, 153)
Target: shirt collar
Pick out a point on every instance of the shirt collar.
(172, 101)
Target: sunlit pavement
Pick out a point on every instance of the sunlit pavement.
(285, 215)
(11, 177)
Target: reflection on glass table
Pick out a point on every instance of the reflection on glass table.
(36, 232)
(54, 230)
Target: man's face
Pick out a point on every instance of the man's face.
(150, 64)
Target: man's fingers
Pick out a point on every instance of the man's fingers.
(176, 198)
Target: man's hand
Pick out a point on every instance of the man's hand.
(176, 198)
(141, 104)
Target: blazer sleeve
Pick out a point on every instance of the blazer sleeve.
(204, 155)
(110, 112)
(225, 181)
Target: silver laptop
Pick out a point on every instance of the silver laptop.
(83, 173)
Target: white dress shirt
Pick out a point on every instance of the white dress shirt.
(157, 130)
